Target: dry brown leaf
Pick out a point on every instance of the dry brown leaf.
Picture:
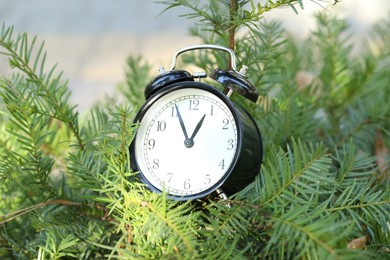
(381, 154)
(304, 79)
(358, 243)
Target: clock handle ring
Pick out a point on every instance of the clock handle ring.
(206, 46)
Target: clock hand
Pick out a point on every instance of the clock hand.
(181, 123)
(197, 128)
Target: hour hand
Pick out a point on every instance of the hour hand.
(197, 127)
(181, 123)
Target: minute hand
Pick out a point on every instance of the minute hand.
(183, 128)
(197, 127)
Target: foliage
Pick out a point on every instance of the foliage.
(67, 190)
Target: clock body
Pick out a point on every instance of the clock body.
(192, 139)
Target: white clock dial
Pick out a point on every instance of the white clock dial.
(186, 142)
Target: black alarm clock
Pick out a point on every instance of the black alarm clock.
(192, 140)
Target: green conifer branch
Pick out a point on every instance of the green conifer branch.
(290, 170)
(32, 137)
(311, 234)
(137, 74)
(316, 192)
(20, 52)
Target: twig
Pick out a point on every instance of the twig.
(232, 28)
(10, 216)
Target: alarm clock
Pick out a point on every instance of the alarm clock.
(192, 139)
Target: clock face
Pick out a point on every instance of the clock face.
(186, 142)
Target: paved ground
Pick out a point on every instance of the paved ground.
(90, 39)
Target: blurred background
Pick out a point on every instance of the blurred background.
(90, 40)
